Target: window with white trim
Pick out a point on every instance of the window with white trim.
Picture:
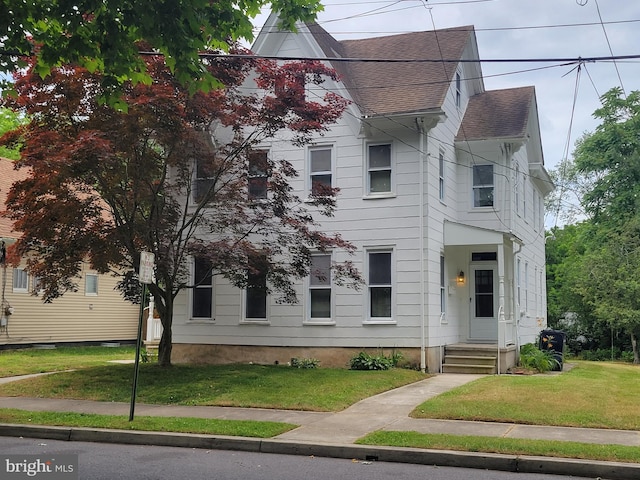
(203, 181)
(258, 174)
(202, 292)
(320, 170)
(483, 186)
(320, 287)
(380, 284)
(20, 280)
(91, 284)
(379, 168)
(255, 298)
(458, 92)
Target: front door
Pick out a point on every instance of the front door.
(483, 324)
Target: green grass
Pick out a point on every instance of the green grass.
(243, 428)
(507, 446)
(30, 360)
(595, 395)
(261, 386)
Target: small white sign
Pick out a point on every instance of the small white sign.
(147, 260)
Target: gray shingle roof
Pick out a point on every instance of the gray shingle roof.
(392, 88)
(497, 114)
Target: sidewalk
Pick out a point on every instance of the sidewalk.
(337, 432)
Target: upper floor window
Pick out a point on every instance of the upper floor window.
(320, 287)
(20, 280)
(258, 174)
(458, 89)
(379, 168)
(441, 175)
(91, 284)
(320, 168)
(204, 179)
(483, 186)
(202, 294)
(380, 285)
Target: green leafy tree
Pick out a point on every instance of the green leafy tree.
(609, 158)
(101, 35)
(179, 175)
(9, 120)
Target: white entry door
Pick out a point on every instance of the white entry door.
(483, 321)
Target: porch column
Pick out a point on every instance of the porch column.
(502, 325)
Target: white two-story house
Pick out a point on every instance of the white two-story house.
(442, 188)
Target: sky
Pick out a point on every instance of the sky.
(521, 29)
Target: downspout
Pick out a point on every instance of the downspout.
(423, 329)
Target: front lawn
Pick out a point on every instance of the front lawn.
(322, 389)
(592, 394)
(31, 360)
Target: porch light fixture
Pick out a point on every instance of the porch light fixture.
(460, 278)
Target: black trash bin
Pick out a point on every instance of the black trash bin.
(553, 340)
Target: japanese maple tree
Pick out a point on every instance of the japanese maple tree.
(174, 175)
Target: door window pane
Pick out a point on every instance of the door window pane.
(484, 293)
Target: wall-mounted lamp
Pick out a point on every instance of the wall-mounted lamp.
(460, 278)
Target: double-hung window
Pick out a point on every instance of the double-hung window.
(458, 92)
(380, 285)
(20, 280)
(483, 186)
(320, 287)
(379, 168)
(91, 284)
(202, 295)
(258, 174)
(320, 168)
(255, 304)
(204, 178)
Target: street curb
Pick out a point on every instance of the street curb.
(484, 461)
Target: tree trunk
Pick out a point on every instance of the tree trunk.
(634, 345)
(166, 343)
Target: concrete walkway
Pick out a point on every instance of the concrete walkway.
(338, 431)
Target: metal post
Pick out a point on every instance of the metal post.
(137, 361)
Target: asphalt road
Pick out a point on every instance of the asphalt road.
(98, 461)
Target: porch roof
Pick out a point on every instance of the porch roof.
(459, 234)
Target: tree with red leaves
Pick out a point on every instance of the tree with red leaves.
(177, 174)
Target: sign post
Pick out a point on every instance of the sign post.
(146, 276)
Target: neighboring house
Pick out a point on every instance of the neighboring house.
(442, 188)
(94, 313)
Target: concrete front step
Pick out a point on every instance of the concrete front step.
(470, 360)
(468, 368)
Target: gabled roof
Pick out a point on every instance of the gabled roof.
(387, 88)
(8, 175)
(497, 114)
